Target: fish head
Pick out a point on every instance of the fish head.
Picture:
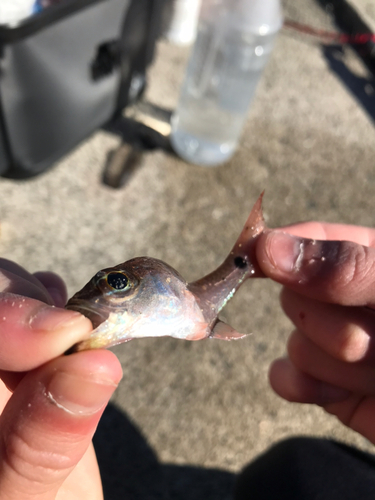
(108, 291)
(142, 297)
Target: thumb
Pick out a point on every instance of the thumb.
(48, 423)
(340, 272)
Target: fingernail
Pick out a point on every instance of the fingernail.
(49, 318)
(284, 251)
(79, 395)
(332, 394)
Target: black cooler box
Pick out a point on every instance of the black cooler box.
(67, 71)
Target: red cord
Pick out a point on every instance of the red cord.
(329, 35)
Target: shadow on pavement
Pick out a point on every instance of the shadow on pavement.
(363, 89)
(131, 470)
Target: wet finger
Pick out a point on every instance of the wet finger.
(336, 232)
(339, 272)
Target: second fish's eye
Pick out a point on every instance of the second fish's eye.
(117, 281)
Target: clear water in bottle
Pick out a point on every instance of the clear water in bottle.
(220, 81)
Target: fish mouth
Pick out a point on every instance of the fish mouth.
(94, 315)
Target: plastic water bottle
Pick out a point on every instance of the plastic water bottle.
(234, 41)
(182, 28)
(13, 12)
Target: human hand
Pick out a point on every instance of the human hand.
(50, 404)
(329, 294)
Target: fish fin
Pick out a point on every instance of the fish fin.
(222, 331)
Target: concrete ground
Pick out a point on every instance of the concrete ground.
(188, 416)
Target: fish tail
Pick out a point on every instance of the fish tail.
(213, 291)
(243, 251)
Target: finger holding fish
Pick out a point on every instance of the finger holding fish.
(32, 330)
(329, 295)
(340, 271)
(50, 404)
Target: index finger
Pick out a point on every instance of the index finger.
(32, 332)
(334, 271)
(12, 282)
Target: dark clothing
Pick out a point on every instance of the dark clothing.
(309, 469)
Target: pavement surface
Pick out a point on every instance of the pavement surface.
(188, 417)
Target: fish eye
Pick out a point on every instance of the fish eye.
(117, 281)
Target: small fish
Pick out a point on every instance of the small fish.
(144, 297)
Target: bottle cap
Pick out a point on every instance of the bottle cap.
(13, 12)
(261, 17)
(183, 24)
